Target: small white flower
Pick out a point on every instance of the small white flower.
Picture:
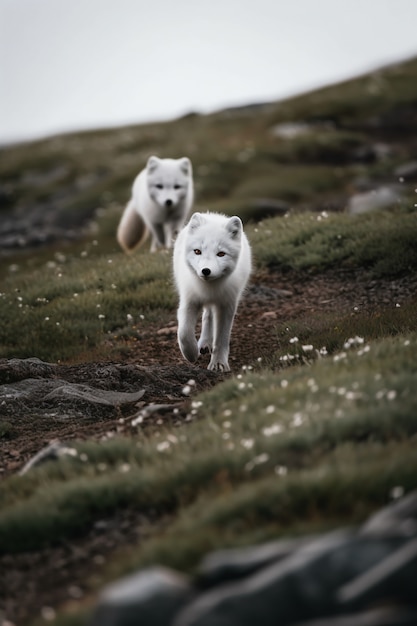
(47, 612)
(281, 470)
(297, 420)
(257, 460)
(274, 429)
(270, 409)
(247, 443)
(163, 446)
(397, 492)
(294, 340)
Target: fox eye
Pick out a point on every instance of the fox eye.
(177, 186)
(159, 186)
(197, 251)
(221, 253)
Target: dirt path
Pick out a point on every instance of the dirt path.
(154, 361)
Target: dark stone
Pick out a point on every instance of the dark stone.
(400, 517)
(228, 565)
(394, 577)
(303, 585)
(149, 598)
(407, 171)
(387, 616)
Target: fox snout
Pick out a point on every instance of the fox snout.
(168, 202)
(206, 271)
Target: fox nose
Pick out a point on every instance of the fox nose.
(168, 202)
(206, 271)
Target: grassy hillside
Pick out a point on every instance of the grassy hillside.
(319, 434)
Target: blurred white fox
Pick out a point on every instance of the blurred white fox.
(212, 265)
(162, 197)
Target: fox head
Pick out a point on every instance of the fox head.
(213, 245)
(168, 180)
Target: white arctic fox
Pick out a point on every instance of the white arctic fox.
(162, 197)
(212, 264)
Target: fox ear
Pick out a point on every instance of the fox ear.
(196, 220)
(185, 165)
(152, 163)
(235, 226)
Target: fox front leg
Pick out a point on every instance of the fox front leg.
(187, 319)
(205, 343)
(158, 237)
(223, 321)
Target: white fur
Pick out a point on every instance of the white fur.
(162, 197)
(210, 282)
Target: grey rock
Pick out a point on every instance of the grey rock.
(18, 369)
(334, 580)
(393, 577)
(400, 517)
(387, 616)
(407, 171)
(303, 585)
(149, 598)
(30, 390)
(229, 565)
(367, 201)
(290, 130)
(66, 399)
(83, 393)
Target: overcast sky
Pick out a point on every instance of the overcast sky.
(75, 64)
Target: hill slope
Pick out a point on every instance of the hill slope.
(159, 461)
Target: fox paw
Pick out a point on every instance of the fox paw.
(204, 348)
(189, 349)
(218, 367)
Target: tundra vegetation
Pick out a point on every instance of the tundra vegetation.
(318, 432)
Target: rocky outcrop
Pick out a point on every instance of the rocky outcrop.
(362, 576)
